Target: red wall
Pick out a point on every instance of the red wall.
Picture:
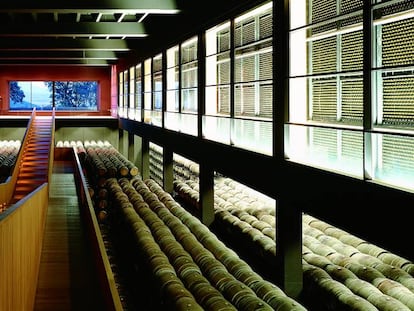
(55, 73)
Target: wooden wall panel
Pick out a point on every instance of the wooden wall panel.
(49, 73)
(21, 237)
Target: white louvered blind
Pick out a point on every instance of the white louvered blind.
(157, 82)
(138, 87)
(189, 76)
(324, 99)
(336, 61)
(253, 72)
(398, 85)
(218, 44)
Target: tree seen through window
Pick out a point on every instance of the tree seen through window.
(63, 95)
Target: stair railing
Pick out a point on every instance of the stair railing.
(7, 188)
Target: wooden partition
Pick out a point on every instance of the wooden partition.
(102, 264)
(21, 238)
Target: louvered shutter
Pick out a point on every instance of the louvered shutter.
(398, 86)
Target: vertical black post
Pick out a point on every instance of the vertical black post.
(232, 73)
(289, 245)
(168, 173)
(201, 76)
(121, 141)
(145, 173)
(367, 87)
(164, 87)
(180, 77)
(142, 92)
(131, 147)
(288, 210)
(206, 180)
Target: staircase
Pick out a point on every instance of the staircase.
(34, 166)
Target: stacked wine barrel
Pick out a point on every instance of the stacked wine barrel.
(190, 268)
(98, 159)
(341, 271)
(155, 167)
(9, 150)
(103, 161)
(184, 169)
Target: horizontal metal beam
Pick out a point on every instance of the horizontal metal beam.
(81, 6)
(56, 55)
(62, 44)
(61, 62)
(82, 29)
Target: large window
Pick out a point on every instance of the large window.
(393, 99)
(326, 84)
(326, 61)
(394, 63)
(253, 63)
(239, 81)
(62, 95)
(327, 88)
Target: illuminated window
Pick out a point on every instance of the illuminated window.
(157, 81)
(173, 79)
(121, 89)
(132, 87)
(189, 76)
(63, 95)
(326, 61)
(253, 63)
(147, 85)
(218, 70)
(138, 87)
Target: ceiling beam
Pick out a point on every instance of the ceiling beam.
(81, 6)
(62, 44)
(45, 62)
(86, 29)
(58, 55)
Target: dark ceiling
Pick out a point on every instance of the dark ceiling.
(98, 32)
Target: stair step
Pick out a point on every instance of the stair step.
(37, 165)
(29, 172)
(36, 152)
(25, 182)
(26, 189)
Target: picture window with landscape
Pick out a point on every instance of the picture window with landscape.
(62, 95)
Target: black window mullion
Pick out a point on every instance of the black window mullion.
(367, 87)
(164, 87)
(180, 74)
(201, 77)
(232, 73)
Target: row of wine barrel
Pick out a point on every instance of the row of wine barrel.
(155, 162)
(347, 272)
(9, 150)
(101, 160)
(191, 267)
